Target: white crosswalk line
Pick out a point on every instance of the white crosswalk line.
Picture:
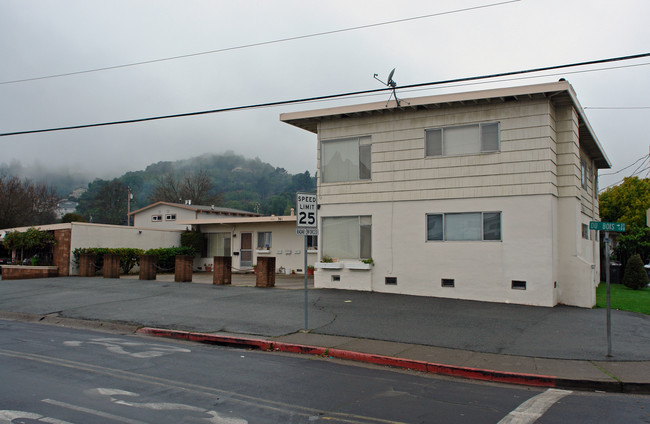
(529, 411)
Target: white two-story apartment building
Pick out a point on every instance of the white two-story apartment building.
(483, 195)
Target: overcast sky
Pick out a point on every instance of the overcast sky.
(42, 38)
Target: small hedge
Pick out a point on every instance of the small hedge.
(167, 256)
(129, 257)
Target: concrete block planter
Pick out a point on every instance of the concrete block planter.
(358, 265)
(328, 265)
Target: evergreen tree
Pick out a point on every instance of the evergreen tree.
(635, 276)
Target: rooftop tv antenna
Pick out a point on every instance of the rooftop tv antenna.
(392, 84)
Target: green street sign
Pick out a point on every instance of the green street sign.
(618, 227)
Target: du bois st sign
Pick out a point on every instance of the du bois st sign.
(617, 227)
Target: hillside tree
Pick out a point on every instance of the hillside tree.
(197, 187)
(24, 203)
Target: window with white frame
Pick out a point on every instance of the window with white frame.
(347, 237)
(584, 174)
(219, 244)
(156, 218)
(585, 231)
(263, 239)
(170, 217)
(466, 226)
(345, 159)
(462, 140)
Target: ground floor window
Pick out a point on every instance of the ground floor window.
(263, 239)
(219, 244)
(347, 237)
(476, 226)
(312, 242)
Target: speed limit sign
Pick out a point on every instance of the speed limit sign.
(307, 216)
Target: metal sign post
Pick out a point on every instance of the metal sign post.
(607, 227)
(609, 310)
(306, 225)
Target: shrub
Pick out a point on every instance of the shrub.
(129, 257)
(167, 256)
(635, 276)
(193, 239)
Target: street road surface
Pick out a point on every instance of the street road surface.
(60, 375)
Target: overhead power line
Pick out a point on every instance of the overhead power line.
(264, 43)
(617, 107)
(637, 171)
(627, 167)
(330, 96)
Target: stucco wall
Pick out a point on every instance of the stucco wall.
(143, 219)
(482, 270)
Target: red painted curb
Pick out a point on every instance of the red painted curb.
(428, 367)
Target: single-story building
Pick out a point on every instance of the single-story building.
(73, 235)
(248, 238)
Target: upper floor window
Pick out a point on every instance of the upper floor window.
(585, 174)
(462, 140)
(170, 217)
(345, 159)
(156, 218)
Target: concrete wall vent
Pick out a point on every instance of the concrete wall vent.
(447, 282)
(518, 285)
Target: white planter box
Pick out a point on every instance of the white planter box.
(328, 265)
(358, 265)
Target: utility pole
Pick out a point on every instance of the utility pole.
(128, 206)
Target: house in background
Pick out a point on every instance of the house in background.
(165, 215)
(247, 238)
(482, 195)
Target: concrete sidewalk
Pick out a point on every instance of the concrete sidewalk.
(554, 347)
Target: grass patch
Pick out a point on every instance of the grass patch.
(623, 298)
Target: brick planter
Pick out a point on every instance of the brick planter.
(148, 267)
(61, 252)
(222, 270)
(183, 269)
(265, 272)
(87, 265)
(23, 272)
(111, 267)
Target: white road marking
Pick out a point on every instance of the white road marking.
(92, 412)
(531, 410)
(120, 346)
(7, 417)
(215, 418)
